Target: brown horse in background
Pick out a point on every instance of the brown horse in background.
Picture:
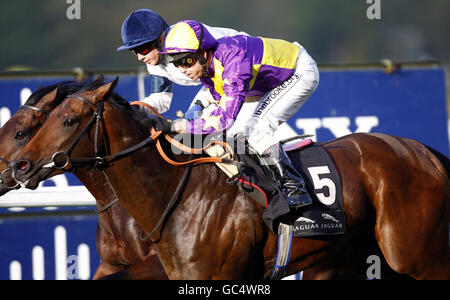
(395, 190)
(123, 254)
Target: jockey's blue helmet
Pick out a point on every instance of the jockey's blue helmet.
(140, 27)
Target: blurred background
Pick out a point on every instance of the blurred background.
(38, 34)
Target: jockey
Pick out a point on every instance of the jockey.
(236, 70)
(143, 32)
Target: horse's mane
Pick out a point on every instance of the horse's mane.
(64, 88)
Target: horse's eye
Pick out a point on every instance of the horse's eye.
(69, 122)
(20, 135)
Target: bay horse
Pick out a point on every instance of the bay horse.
(123, 254)
(395, 190)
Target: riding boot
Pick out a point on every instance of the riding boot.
(286, 176)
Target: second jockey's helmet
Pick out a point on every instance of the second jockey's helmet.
(140, 27)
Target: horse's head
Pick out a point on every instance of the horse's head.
(24, 124)
(64, 130)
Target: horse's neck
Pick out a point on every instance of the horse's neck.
(97, 184)
(123, 132)
(142, 180)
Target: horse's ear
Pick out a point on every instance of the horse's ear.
(100, 78)
(49, 98)
(105, 90)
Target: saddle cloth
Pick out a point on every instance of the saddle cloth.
(324, 217)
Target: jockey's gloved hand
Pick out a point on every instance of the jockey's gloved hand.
(164, 125)
(195, 111)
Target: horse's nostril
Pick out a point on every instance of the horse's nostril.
(22, 165)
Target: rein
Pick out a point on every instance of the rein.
(4, 160)
(186, 149)
(64, 156)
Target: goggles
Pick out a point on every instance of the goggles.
(145, 49)
(186, 61)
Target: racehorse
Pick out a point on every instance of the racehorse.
(123, 254)
(395, 189)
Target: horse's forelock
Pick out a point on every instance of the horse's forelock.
(65, 89)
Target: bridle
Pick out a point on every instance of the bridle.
(2, 174)
(45, 112)
(56, 162)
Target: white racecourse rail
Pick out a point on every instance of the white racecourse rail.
(48, 196)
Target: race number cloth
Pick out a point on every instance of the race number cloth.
(325, 216)
(323, 183)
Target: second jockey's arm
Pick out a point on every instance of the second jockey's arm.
(161, 93)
